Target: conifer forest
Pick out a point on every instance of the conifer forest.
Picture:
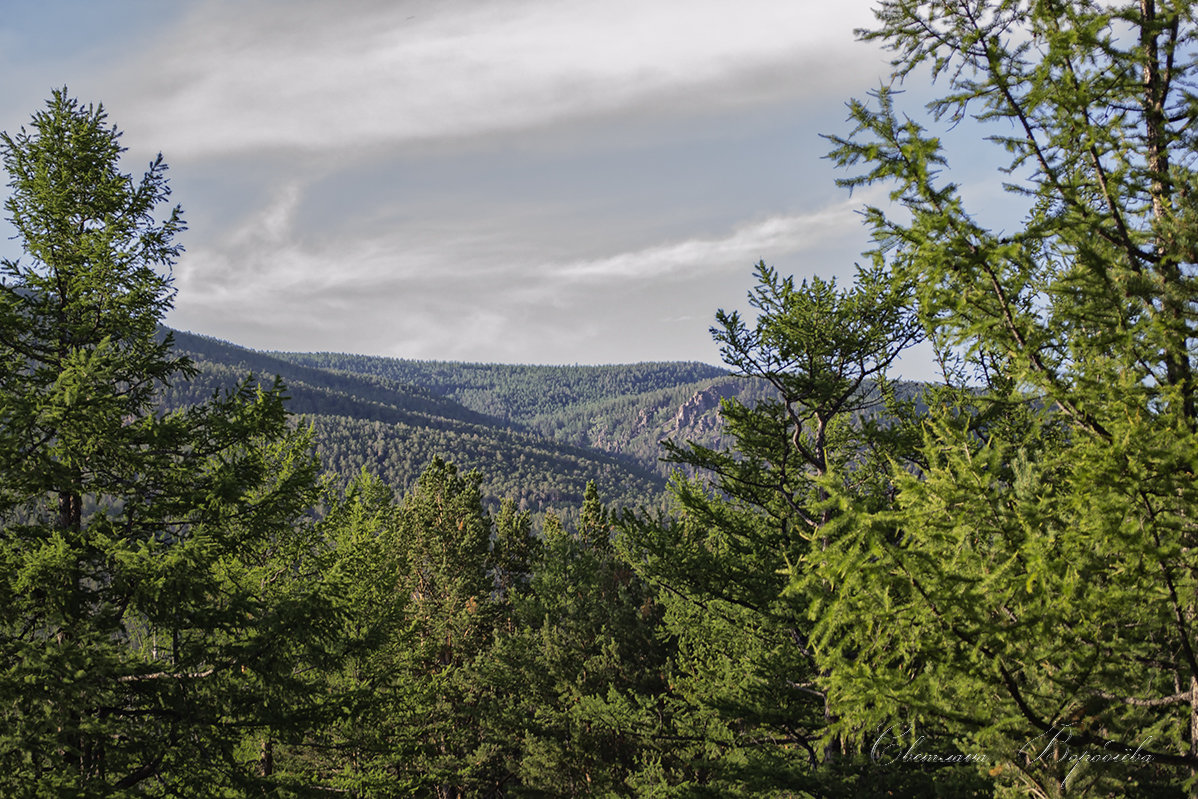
(228, 573)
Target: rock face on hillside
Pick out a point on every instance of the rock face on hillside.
(637, 428)
(698, 418)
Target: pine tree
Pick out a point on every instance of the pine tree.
(745, 683)
(593, 664)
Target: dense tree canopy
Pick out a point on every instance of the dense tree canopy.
(988, 589)
(1035, 576)
(142, 630)
(1003, 571)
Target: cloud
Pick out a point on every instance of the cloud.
(766, 239)
(470, 291)
(272, 269)
(521, 180)
(235, 77)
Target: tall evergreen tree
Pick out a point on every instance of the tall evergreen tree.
(1038, 576)
(594, 661)
(745, 684)
(428, 582)
(154, 598)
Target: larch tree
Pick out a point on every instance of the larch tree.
(1032, 594)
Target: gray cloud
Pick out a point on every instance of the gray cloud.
(576, 181)
(478, 294)
(334, 76)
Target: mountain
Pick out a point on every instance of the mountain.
(537, 434)
(626, 410)
(514, 392)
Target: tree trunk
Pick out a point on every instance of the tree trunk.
(266, 760)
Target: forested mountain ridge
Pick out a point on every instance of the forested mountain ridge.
(625, 409)
(311, 389)
(537, 433)
(515, 392)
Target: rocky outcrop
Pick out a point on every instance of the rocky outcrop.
(698, 418)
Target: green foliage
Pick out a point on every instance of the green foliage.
(625, 410)
(538, 475)
(312, 390)
(987, 589)
(426, 726)
(410, 577)
(482, 659)
(745, 683)
(395, 430)
(144, 630)
(515, 393)
(1035, 576)
(593, 666)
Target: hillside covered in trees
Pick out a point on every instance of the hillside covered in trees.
(986, 587)
(538, 434)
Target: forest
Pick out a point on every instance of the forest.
(394, 427)
(233, 573)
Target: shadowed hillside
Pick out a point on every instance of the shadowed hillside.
(538, 434)
(626, 410)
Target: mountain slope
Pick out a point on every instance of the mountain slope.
(537, 434)
(515, 392)
(394, 429)
(623, 409)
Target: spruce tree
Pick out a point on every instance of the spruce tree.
(744, 686)
(154, 598)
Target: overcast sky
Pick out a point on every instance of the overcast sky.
(571, 181)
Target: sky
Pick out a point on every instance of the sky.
(520, 181)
